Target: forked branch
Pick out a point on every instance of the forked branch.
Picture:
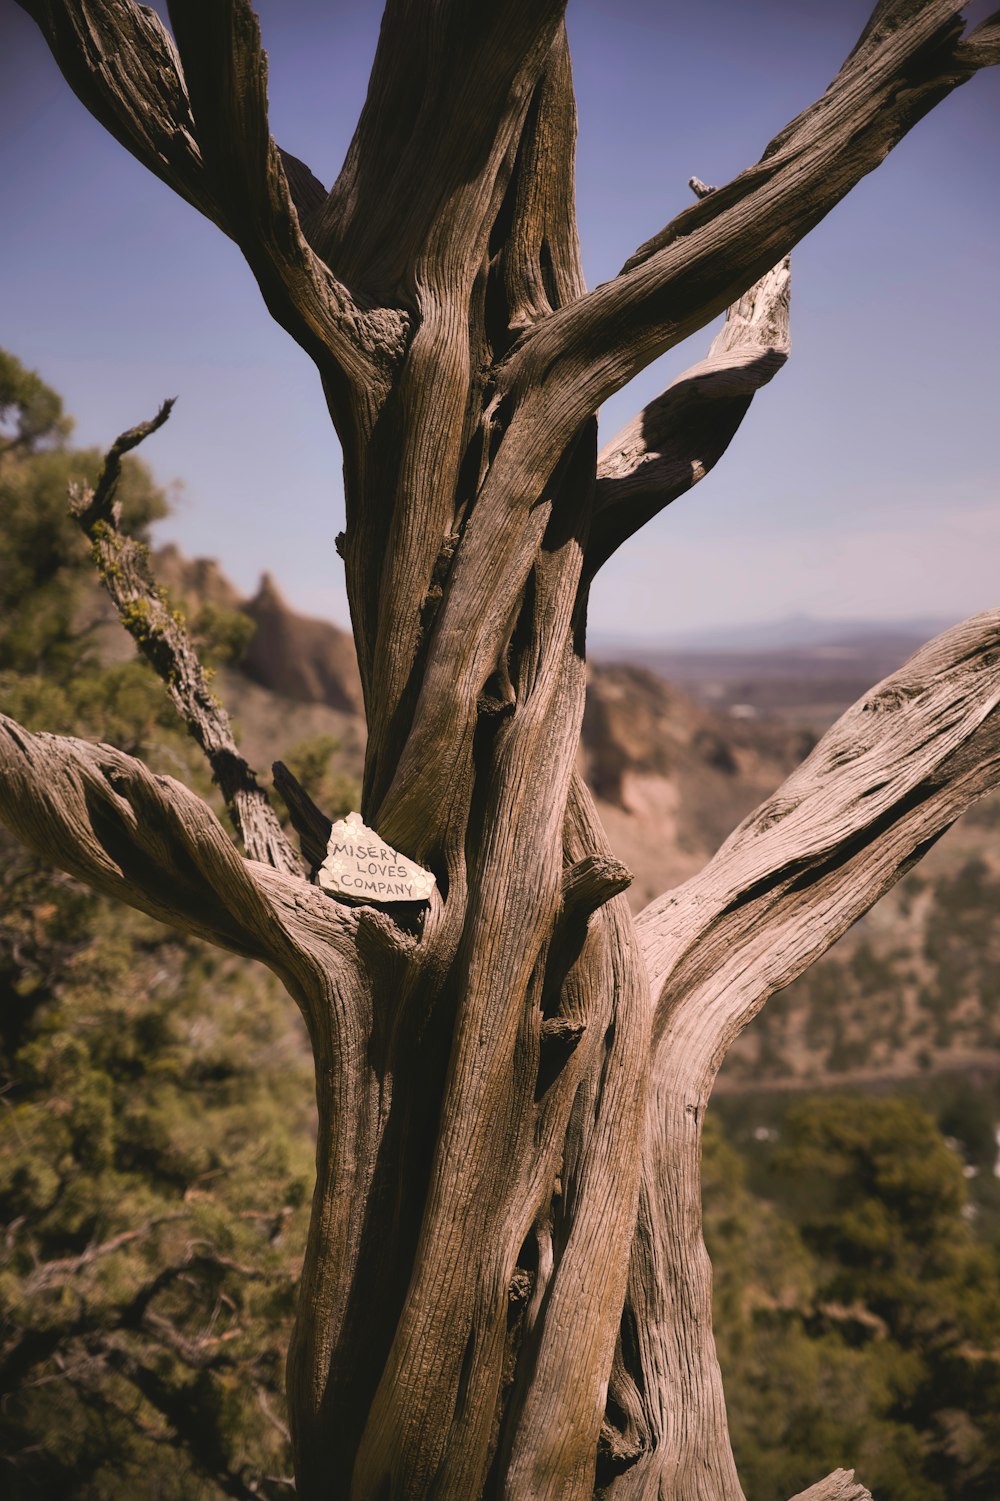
(162, 637)
(539, 261)
(427, 168)
(197, 117)
(910, 57)
(225, 68)
(982, 46)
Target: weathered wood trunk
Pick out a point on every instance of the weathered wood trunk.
(505, 1290)
(508, 1056)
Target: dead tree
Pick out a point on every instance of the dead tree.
(505, 1290)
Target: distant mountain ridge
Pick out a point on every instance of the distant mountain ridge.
(801, 670)
(799, 632)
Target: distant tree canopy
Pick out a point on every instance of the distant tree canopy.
(858, 1310)
(46, 575)
(31, 413)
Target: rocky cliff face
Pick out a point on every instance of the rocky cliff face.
(194, 582)
(309, 660)
(672, 778)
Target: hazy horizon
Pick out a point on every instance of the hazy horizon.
(800, 626)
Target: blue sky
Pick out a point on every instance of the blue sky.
(865, 480)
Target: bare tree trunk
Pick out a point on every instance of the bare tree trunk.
(505, 1290)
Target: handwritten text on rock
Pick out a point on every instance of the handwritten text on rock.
(359, 864)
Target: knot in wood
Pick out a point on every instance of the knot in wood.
(773, 813)
(887, 700)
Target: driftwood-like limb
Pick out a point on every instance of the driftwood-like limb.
(882, 785)
(121, 63)
(909, 59)
(683, 433)
(162, 637)
(104, 817)
(840, 1486)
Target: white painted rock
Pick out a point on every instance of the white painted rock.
(359, 864)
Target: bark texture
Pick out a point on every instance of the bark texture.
(505, 1290)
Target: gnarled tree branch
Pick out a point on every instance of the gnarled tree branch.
(121, 63)
(882, 785)
(225, 68)
(106, 819)
(146, 839)
(197, 117)
(890, 776)
(162, 638)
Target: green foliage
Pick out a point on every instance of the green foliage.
(919, 989)
(155, 1152)
(156, 1136)
(31, 413)
(858, 1313)
(221, 635)
(49, 604)
(962, 944)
